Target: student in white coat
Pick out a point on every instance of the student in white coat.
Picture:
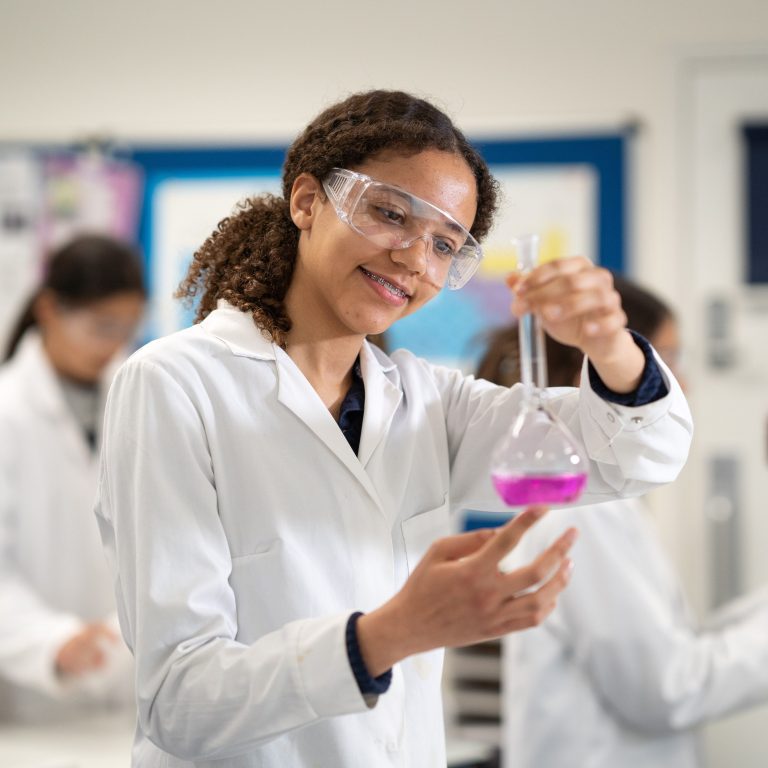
(57, 643)
(620, 674)
(272, 484)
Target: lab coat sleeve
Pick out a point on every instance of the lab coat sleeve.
(202, 695)
(652, 668)
(31, 632)
(630, 449)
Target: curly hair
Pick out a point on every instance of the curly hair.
(249, 258)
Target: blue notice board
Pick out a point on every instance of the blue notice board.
(572, 188)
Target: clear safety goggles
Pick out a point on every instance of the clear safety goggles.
(395, 219)
(96, 328)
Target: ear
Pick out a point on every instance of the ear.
(45, 308)
(306, 192)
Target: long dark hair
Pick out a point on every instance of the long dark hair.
(85, 270)
(645, 313)
(249, 258)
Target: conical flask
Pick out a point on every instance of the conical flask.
(538, 461)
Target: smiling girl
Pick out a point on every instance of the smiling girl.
(276, 492)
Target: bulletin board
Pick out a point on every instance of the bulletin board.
(569, 189)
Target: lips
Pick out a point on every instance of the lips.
(391, 286)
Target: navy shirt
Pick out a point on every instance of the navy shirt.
(352, 407)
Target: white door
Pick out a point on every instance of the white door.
(726, 481)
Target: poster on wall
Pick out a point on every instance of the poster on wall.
(88, 191)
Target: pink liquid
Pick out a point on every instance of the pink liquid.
(520, 490)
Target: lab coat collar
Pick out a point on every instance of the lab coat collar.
(380, 377)
(383, 394)
(238, 331)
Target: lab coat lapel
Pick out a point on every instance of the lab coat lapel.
(237, 330)
(382, 397)
(296, 394)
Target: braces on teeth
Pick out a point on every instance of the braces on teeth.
(386, 284)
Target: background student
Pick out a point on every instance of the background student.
(59, 640)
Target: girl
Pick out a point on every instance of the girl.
(55, 599)
(272, 484)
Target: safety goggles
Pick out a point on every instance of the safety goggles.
(91, 327)
(394, 219)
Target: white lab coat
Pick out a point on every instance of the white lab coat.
(244, 531)
(618, 674)
(53, 573)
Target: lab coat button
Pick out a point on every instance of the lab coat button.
(637, 419)
(610, 417)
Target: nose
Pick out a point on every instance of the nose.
(415, 255)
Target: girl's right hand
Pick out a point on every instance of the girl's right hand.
(457, 595)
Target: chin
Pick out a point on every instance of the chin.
(375, 328)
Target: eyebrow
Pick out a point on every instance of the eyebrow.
(453, 225)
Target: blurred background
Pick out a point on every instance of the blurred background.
(636, 134)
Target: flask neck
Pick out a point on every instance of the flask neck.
(533, 398)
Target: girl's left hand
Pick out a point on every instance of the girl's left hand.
(579, 307)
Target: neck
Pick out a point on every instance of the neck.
(326, 363)
(324, 353)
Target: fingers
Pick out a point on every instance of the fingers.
(78, 659)
(566, 288)
(508, 535)
(91, 657)
(576, 302)
(105, 631)
(461, 545)
(570, 268)
(532, 609)
(595, 301)
(542, 567)
(598, 326)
